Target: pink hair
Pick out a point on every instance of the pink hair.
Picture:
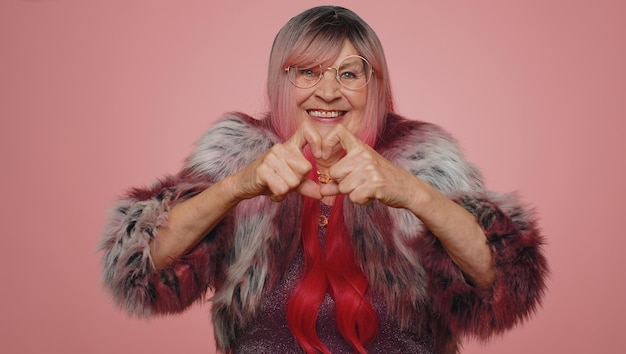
(314, 37)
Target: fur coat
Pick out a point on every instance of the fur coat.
(243, 257)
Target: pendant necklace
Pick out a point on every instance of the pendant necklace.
(325, 209)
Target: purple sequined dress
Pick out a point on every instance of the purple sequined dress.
(270, 332)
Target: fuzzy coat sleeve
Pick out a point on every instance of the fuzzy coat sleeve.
(520, 270)
(510, 227)
(129, 272)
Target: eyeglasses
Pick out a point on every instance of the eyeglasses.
(353, 72)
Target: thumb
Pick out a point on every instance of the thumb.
(329, 189)
(309, 189)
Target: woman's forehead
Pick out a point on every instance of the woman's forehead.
(346, 49)
(334, 55)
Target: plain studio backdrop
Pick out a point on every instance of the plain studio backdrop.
(100, 95)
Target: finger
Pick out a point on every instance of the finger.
(360, 200)
(305, 135)
(280, 172)
(309, 189)
(329, 189)
(283, 164)
(360, 196)
(313, 139)
(272, 183)
(360, 164)
(338, 138)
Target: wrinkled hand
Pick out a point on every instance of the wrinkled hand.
(283, 168)
(363, 174)
(355, 169)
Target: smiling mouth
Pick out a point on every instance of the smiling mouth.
(325, 114)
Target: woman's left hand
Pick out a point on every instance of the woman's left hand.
(363, 174)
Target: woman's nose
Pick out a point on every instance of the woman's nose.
(328, 88)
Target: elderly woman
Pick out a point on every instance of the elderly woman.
(330, 225)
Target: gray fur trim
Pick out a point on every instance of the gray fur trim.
(434, 156)
(127, 260)
(230, 144)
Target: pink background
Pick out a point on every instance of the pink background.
(98, 96)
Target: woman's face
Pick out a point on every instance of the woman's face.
(329, 103)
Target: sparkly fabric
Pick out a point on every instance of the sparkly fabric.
(269, 333)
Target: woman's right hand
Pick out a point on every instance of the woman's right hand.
(278, 172)
(282, 169)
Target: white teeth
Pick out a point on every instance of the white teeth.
(325, 114)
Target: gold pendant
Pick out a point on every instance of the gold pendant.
(323, 221)
(322, 178)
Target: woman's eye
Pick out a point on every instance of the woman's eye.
(351, 74)
(308, 72)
